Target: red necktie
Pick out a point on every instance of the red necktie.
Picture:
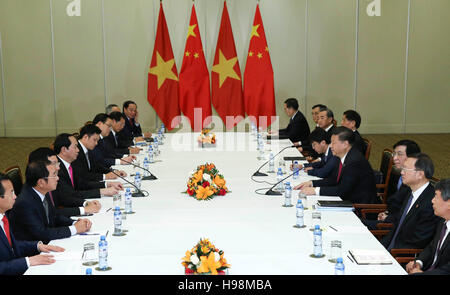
(71, 174)
(6, 227)
(340, 170)
(51, 198)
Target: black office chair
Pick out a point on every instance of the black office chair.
(15, 175)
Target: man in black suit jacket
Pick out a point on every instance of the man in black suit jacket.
(352, 120)
(298, 128)
(65, 204)
(33, 218)
(415, 223)
(326, 119)
(17, 256)
(119, 145)
(435, 258)
(353, 180)
(70, 180)
(132, 129)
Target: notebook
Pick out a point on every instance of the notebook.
(339, 204)
(370, 256)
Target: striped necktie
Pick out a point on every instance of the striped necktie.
(392, 243)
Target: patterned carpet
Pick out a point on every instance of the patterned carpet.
(15, 151)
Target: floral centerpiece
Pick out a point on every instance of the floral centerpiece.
(206, 183)
(207, 138)
(205, 258)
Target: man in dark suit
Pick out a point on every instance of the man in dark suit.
(326, 119)
(352, 120)
(132, 129)
(70, 181)
(354, 179)
(415, 223)
(112, 108)
(327, 163)
(298, 128)
(315, 110)
(117, 146)
(17, 256)
(33, 218)
(102, 153)
(66, 205)
(435, 258)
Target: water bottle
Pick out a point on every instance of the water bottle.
(280, 186)
(296, 170)
(339, 269)
(317, 241)
(128, 201)
(103, 253)
(300, 213)
(271, 163)
(88, 271)
(137, 180)
(146, 166)
(261, 149)
(150, 155)
(117, 221)
(287, 194)
(282, 165)
(156, 143)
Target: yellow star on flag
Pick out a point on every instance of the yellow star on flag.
(225, 68)
(163, 70)
(191, 31)
(196, 55)
(267, 48)
(188, 53)
(254, 31)
(250, 54)
(259, 54)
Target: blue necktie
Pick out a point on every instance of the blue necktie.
(400, 181)
(391, 245)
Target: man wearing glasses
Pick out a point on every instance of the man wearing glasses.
(415, 222)
(33, 216)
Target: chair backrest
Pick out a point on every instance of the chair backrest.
(368, 147)
(386, 164)
(15, 175)
(434, 180)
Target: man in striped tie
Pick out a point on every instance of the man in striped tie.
(435, 258)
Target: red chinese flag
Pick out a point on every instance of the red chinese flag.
(259, 93)
(163, 77)
(226, 76)
(194, 79)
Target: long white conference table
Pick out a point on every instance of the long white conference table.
(255, 231)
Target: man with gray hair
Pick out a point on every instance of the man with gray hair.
(435, 258)
(112, 108)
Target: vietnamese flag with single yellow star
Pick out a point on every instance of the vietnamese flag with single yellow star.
(163, 77)
(259, 93)
(194, 79)
(226, 76)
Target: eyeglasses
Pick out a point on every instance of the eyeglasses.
(11, 194)
(408, 169)
(56, 164)
(397, 154)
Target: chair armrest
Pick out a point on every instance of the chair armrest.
(365, 211)
(396, 252)
(370, 206)
(385, 225)
(381, 185)
(380, 233)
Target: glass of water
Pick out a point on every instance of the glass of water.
(89, 255)
(336, 250)
(316, 219)
(116, 200)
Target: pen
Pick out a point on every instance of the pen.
(350, 259)
(108, 209)
(333, 228)
(107, 232)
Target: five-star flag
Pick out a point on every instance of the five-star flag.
(163, 77)
(194, 79)
(259, 93)
(226, 76)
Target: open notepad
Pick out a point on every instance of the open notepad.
(370, 256)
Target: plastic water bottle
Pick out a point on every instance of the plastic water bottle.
(296, 170)
(339, 269)
(317, 241)
(103, 253)
(88, 271)
(300, 213)
(146, 166)
(117, 221)
(137, 180)
(282, 165)
(280, 186)
(287, 194)
(128, 201)
(150, 155)
(271, 163)
(261, 149)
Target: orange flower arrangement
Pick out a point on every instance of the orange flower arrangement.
(204, 258)
(206, 183)
(207, 138)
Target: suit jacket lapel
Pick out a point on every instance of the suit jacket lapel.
(4, 239)
(417, 204)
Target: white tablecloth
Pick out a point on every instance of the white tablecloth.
(255, 231)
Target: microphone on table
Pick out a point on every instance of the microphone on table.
(151, 177)
(271, 192)
(139, 193)
(257, 173)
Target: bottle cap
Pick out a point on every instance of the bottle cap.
(279, 169)
(102, 238)
(137, 173)
(89, 271)
(317, 226)
(299, 201)
(128, 189)
(117, 208)
(288, 183)
(339, 260)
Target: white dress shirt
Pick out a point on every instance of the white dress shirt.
(73, 230)
(416, 194)
(317, 189)
(328, 128)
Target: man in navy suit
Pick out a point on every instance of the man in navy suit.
(435, 258)
(354, 179)
(352, 120)
(33, 217)
(17, 256)
(324, 166)
(132, 129)
(118, 147)
(298, 128)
